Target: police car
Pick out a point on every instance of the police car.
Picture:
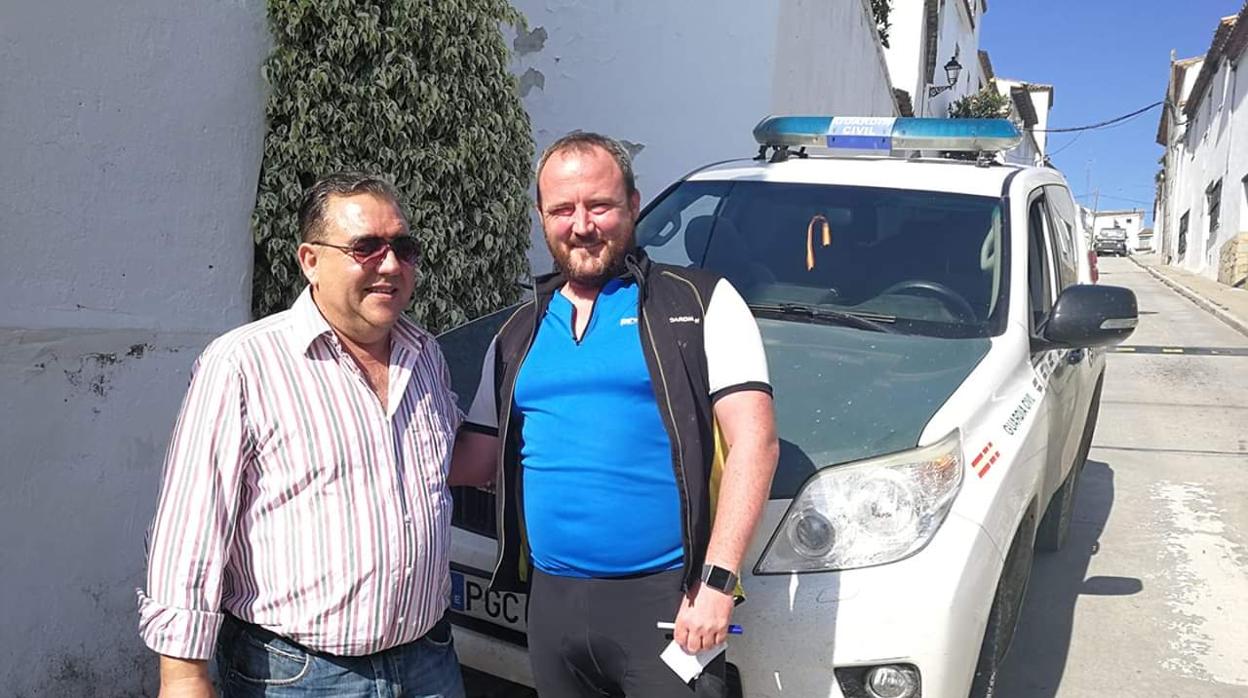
(933, 332)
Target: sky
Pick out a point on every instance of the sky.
(1104, 58)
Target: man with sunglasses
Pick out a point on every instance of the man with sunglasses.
(303, 526)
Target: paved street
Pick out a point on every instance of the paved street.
(1150, 596)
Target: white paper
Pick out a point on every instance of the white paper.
(689, 666)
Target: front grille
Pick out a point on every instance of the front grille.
(474, 511)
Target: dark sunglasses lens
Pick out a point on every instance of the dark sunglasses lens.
(406, 249)
(371, 249)
(367, 248)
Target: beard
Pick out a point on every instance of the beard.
(581, 268)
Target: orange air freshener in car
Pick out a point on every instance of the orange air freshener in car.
(810, 238)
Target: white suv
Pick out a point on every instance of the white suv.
(931, 327)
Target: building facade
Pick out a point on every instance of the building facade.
(926, 35)
(1030, 105)
(1202, 208)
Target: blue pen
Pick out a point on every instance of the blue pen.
(732, 629)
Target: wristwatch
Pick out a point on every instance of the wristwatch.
(719, 578)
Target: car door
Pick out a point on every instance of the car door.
(1055, 374)
(1069, 259)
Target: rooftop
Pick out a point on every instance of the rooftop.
(1229, 41)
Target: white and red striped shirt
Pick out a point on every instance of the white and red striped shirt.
(293, 501)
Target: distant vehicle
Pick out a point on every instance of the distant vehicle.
(933, 336)
(1111, 241)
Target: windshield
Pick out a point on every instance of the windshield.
(929, 263)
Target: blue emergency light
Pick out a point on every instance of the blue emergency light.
(885, 134)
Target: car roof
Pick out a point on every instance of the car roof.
(919, 174)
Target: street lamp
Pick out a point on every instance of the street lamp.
(952, 70)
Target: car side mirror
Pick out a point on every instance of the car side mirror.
(1088, 315)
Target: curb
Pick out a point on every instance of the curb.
(1204, 303)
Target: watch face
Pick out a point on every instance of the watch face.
(718, 577)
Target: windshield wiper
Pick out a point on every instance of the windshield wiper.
(864, 321)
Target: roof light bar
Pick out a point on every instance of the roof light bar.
(887, 133)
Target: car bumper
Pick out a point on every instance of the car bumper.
(928, 610)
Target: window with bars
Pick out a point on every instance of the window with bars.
(1213, 203)
(1183, 234)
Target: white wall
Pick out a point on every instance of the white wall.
(130, 135)
(1026, 152)
(1043, 101)
(959, 33)
(828, 60)
(1176, 157)
(958, 25)
(1030, 151)
(1214, 146)
(685, 83)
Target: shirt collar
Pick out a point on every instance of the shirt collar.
(309, 324)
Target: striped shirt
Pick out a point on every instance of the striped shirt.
(293, 501)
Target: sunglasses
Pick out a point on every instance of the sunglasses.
(368, 250)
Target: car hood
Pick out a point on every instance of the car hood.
(844, 394)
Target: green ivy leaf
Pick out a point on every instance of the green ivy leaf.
(417, 91)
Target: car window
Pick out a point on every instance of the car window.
(929, 262)
(1062, 220)
(683, 214)
(1039, 267)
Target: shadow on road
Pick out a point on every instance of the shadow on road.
(1037, 660)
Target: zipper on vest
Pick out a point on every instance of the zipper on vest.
(500, 503)
(677, 449)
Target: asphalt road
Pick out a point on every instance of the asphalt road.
(1150, 595)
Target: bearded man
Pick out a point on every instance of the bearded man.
(608, 406)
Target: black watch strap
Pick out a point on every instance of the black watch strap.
(719, 578)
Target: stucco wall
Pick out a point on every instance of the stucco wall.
(1214, 146)
(1043, 101)
(828, 60)
(1176, 158)
(685, 83)
(905, 51)
(958, 34)
(131, 135)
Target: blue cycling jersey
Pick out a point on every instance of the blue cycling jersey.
(600, 496)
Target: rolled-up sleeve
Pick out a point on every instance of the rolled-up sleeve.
(190, 535)
(444, 373)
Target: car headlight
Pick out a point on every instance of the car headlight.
(868, 513)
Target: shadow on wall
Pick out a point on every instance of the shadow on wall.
(1037, 660)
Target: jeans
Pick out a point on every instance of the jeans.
(254, 663)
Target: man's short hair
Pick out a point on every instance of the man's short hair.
(316, 199)
(584, 142)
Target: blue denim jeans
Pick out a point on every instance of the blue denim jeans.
(254, 663)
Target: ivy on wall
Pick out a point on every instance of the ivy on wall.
(879, 11)
(420, 93)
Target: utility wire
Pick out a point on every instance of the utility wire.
(1111, 196)
(1102, 124)
(1065, 145)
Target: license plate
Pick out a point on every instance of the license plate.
(470, 596)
